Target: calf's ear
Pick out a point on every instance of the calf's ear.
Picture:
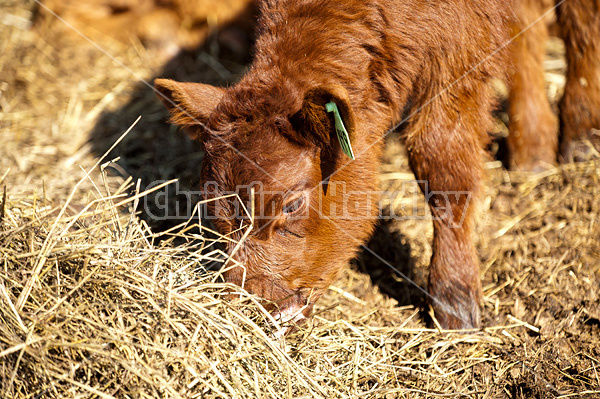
(314, 124)
(317, 124)
(190, 104)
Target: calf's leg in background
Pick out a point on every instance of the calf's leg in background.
(579, 22)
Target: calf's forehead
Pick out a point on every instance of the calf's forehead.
(275, 164)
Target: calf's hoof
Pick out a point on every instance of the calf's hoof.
(581, 150)
(534, 166)
(457, 315)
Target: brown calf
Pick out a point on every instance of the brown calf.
(377, 61)
(534, 129)
(164, 25)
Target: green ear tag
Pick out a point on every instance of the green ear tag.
(342, 133)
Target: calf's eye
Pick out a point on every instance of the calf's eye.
(294, 205)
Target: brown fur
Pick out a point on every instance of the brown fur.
(579, 21)
(166, 25)
(533, 137)
(533, 141)
(376, 60)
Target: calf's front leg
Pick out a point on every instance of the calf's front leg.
(445, 152)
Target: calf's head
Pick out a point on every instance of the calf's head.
(278, 143)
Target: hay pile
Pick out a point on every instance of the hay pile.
(96, 301)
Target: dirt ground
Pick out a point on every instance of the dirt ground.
(96, 302)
